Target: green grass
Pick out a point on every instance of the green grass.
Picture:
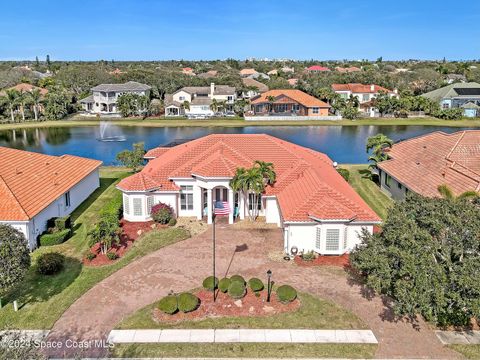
(367, 189)
(240, 122)
(246, 350)
(469, 351)
(314, 313)
(43, 299)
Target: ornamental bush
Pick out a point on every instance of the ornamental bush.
(168, 304)
(210, 283)
(114, 207)
(50, 263)
(238, 278)
(309, 256)
(172, 222)
(237, 290)
(223, 284)
(162, 213)
(90, 256)
(286, 294)
(187, 302)
(62, 223)
(256, 284)
(345, 173)
(54, 238)
(112, 256)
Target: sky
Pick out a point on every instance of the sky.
(214, 29)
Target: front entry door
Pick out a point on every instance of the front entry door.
(221, 194)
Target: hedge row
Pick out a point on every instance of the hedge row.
(55, 238)
(185, 302)
(113, 207)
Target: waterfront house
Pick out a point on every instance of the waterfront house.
(25, 88)
(423, 163)
(103, 100)
(316, 208)
(35, 188)
(253, 88)
(458, 95)
(199, 100)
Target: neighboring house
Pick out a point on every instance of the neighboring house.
(115, 72)
(35, 188)
(423, 163)
(317, 69)
(349, 69)
(273, 72)
(293, 82)
(247, 72)
(199, 99)
(453, 78)
(104, 97)
(208, 74)
(24, 88)
(259, 75)
(316, 208)
(287, 69)
(188, 71)
(457, 95)
(252, 83)
(364, 93)
(288, 102)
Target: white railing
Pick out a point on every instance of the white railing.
(291, 118)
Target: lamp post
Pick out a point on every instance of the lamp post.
(269, 284)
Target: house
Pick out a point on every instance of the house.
(199, 99)
(316, 208)
(103, 100)
(317, 69)
(349, 69)
(453, 78)
(247, 72)
(24, 88)
(35, 188)
(423, 163)
(208, 74)
(254, 88)
(188, 71)
(293, 82)
(273, 72)
(115, 72)
(259, 75)
(457, 95)
(287, 69)
(288, 103)
(364, 93)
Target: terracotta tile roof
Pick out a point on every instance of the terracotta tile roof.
(296, 95)
(423, 163)
(347, 69)
(360, 88)
(155, 152)
(318, 68)
(248, 71)
(252, 82)
(29, 182)
(24, 87)
(307, 184)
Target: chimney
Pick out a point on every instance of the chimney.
(372, 87)
(212, 89)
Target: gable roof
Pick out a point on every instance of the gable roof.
(307, 185)
(29, 182)
(425, 162)
(24, 87)
(218, 90)
(318, 68)
(451, 91)
(360, 88)
(252, 82)
(296, 95)
(248, 71)
(128, 86)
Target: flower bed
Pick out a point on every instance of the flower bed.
(325, 260)
(225, 306)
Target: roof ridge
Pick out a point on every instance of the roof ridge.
(14, 196)
(455, 145)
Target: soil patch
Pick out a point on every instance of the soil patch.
(225, 306)
(325, 260)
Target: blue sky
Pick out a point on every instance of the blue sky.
(187, 29)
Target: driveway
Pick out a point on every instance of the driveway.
(184, 265)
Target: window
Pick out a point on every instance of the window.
(445, 106)
(126, 205)
(344, 95)
(181, 98)
(250, 201)
(388, 180)
(345, 238)
(365, 97)
(399, 186)
(296, 107)
(186, 197)
(137, 207)
(332, 241)
(318, 238)
(149, 204)
(67, 199)
(315, 110)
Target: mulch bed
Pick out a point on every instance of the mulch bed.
(325, 260)
(130, 232)
(225, 306)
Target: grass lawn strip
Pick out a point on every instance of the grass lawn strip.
(469, 351)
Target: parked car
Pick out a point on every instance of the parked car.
(230, 114)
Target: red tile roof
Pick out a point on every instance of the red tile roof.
(29, 182)
(318, 68)
(296, 95)
(24, 87)
(307, 184)
(155, 152)
(360, 88)
(425, 162)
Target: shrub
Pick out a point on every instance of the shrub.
(237, 290)
(90, 256)
(172, 222)
(50, 263)
(112, 256)
(168, 304)
(62, 223)
(237, 278)
(286, 294)
(223, 284)
(345, 174)
(162, 213)
(187, 302)
(210, 283)
(113, 207)
(55, 238)
(256, 284)
(308, 256)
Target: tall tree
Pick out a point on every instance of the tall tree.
(132, 159)
(11, 99)
(447, 193)
(270, 101)
(35, 100)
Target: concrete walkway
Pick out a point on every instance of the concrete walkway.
(459, 337)
(242, 336)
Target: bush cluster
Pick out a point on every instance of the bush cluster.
(286, 294)
(237, 290)
(162, 213)
(223, 284)
(90, 256)
(309, 256)
(187, 302)
(112, 256)
(345, 173)
(114, 208)
(238, 278)
(62, 223)
(256, 284)
(54, 238)
(168, 304)
(210, 283)
(50, 263)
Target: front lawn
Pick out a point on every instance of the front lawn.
(43, 299)
(469, 351)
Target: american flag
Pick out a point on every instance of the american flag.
(221, 208)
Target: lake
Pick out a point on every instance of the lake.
(343, 144)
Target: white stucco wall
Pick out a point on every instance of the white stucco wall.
(396, 190)
(182, 96)
(272, 212)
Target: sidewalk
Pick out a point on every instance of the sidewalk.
(459, 337)
(243, 336)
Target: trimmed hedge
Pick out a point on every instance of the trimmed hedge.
(256, 284)
(286, 294)
(50, 263)
(237, 290)
(63, 223)
(187, 302)
(223, 284)
(237, 278)
(55, 238)
(113, 207)
(210, 283)
(168, 304)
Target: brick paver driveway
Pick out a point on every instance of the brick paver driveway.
(184, 265)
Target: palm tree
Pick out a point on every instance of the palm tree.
(378, 144)
(11, 100)
(266, 169)
(238, 184)
(35, 99)
(23, 100)
(256, 186)
(270, 100)
(186, 105)
(214, 105)
(447, 193)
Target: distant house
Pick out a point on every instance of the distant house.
(273, 72)
(24, 88)
(458, 95)
(35, 188)
(293, 82)
(349, 69)
(103, 100)
(423, 163)
(259, 75)
(188, 71)
(247, 72)
(453, 78)
(287, 103)
(208, 74)
(117, 71)
(287, 69)
(199, 99)
(252, 83)
(364, 93)
(317, 69)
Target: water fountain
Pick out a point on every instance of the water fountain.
(104, 136)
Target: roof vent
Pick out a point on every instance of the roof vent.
(17, 171)
(47, 163)
(418, 163)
